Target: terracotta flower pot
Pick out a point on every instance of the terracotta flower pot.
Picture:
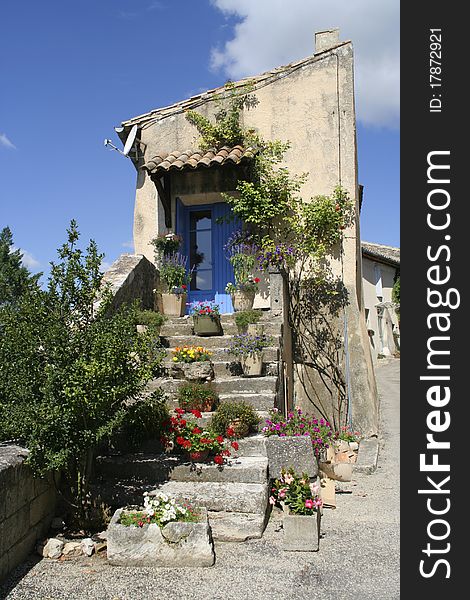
(174, 305)
(252, 364)
(243, 300)
(240, 428)
(207, 325)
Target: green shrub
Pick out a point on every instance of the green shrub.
(154, 320)
(243, 318)
(238, 415)
(194, 396)
(145, 419)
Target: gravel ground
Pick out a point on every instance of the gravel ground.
(358, 557)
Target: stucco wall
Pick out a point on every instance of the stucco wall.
(371, 271)
(27, 506)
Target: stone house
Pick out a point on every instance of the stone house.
(309, 103)
(380, 269)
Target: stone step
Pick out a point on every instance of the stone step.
(209, 342)
(236, 527)
(253, 445)
(220, 497)
(270, 354)
(226, 385)
(266, 317)
(233, 369)
(155, 468)
(260, 401)
(185, 329)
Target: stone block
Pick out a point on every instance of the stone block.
(295, 452)
(301, 532)
(241, 470)
(177, 544)
(236, 527)
(254, 445)
(42, 507)
(229, 497)
(367, 456)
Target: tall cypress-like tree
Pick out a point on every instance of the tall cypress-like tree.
(15, 278)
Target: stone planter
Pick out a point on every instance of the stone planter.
(255, 329)
(207, 325)
(252, 364)
(174, 305)
(176, 544)
(243, 300)
(301, 532)
(290, 451)
(197, 371)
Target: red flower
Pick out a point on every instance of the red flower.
(206, 441)
(180, 411)
(220, 439)
(197, 430)
(180, 441)
(235, 445)
(174, 420)
(226, 452)
(186, 444)
(218, 460)
(184, 286)
(182, 422)
(256, 280)
(196, 413)
(230, 431)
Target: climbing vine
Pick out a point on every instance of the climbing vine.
(295, 237)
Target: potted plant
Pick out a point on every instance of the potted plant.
(174, 275)
(249, 351)
(297, 423)
(149, 320)
(301, 503)
(192, 363)
(234, 419)
(197, 396)
(195, 443)
(245, 318)
(163, 532)
(166, 244)
(206, 318)
(242, 257)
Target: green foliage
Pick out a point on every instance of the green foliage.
(228, 412)
(15, 278)
(68, 367)
(396, 291)
(173, 272)
(243, 318)
(296, 491)
(227, 129)
(166, 244)
(144, 420)
(196, 396)
(153, 319)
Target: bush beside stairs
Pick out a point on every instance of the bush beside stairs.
(235, 494)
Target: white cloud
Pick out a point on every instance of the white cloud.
(7, 143)
(269, 33)
(28, 259)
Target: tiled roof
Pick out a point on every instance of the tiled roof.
(199, 99)
(190, 160)
(388, 254)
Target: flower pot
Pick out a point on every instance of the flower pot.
(255, 329)
(301, 532)
(198, 456)
(174, 305)
(252, 364)
(207, 325)
(240, 428)
(242, 300)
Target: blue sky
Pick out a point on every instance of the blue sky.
(71, 71)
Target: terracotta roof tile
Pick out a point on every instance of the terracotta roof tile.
(179, 161)
(388, 254)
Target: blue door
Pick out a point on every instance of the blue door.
(203, 243)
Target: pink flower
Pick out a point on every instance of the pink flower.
(308, 503)
(288, 479)
(314, 488)
(272, 500)
(318, 503)
(282, 493)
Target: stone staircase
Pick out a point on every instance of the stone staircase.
(235, 494)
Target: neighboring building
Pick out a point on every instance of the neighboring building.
(309, 103)
(380, 270)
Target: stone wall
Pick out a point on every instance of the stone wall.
(27, 506)
(132, 277)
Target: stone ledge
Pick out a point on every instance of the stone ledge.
(367, 456)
